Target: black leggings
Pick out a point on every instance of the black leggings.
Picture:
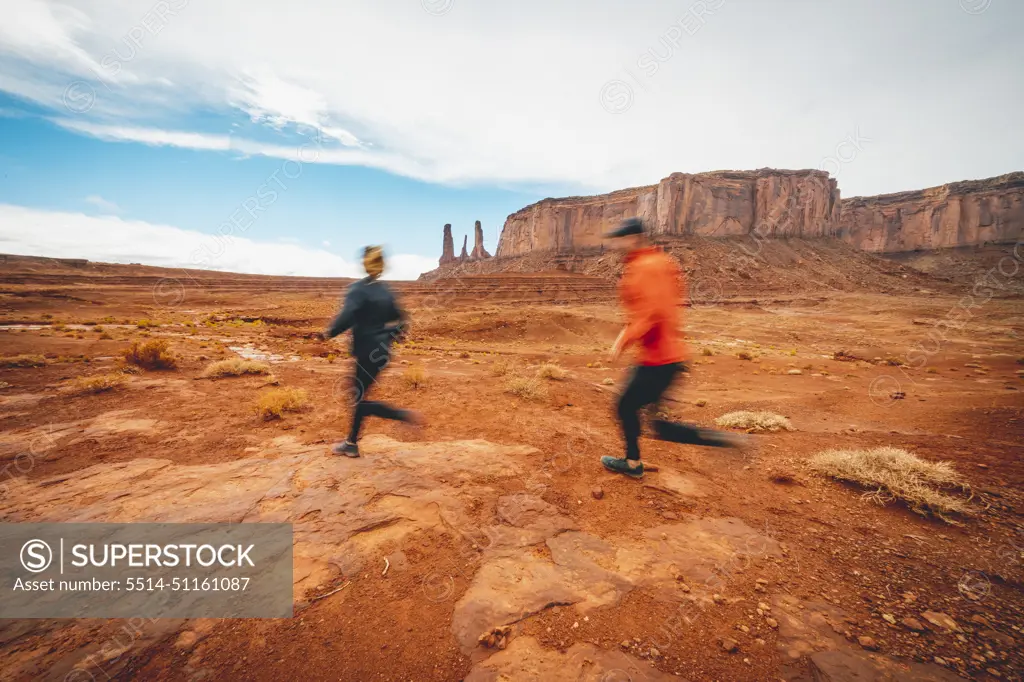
(365, 376)
(646, 386)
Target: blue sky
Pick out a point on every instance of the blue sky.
(47, 167)
(142, 130)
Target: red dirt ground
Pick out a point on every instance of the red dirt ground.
(842, 564)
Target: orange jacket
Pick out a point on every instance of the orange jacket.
(652, 290)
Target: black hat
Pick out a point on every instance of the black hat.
(627, 227)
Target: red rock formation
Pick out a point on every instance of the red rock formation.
(447, 247)
(479, 252)
(958, 214)
(776, 203)
(464, 256)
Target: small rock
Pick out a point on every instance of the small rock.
(913, 624)
(764, 607)
(718, 599)
(730, 645)
(941, 620)
(772, 623)
(868, 643)
(655, 653)
(597, 493)
(889, 618)
(742, 628)
(625, 644)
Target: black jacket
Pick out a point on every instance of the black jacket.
(372, 313)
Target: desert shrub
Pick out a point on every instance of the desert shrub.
(754, 421)
(415, 376)
(527, 388)
(707, 352)
(235, 367)
(893, 473)
(150, 355)
(99, 383)
(608, 381)
(23, 361)
(501, 367)
(744, 355)
(145, 324)
(105, 336)
(273, 404)
(331, 357)
(550, 370)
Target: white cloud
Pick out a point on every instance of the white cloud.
(500, 92)
(102, 204)
(33, 232)
(326, 244)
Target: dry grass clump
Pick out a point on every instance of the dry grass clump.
(150, 355)
(895, 474)
(501, 367)
(744, 355)
(23, 361)
(527, 388)
(415, 376)
(274, 403)
(100, 383)
(234, 367)
(550, 370)
(707, 352)
(754, 421)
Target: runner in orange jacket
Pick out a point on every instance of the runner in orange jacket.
(652, 292)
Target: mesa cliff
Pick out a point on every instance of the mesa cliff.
(767, 203)
(968, 213)
(779, 203)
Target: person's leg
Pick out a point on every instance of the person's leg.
(375, 408)
(363, 378)
(645, 386)
(677, 432)
(633, 398)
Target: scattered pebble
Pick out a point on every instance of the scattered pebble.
(868, 643)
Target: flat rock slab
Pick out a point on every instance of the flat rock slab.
(592, 572)
(813, 631)
(525, 660)
(672, 482)
(342, 509)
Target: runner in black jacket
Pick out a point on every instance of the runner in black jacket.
(372, 313)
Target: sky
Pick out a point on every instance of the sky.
(252, 136)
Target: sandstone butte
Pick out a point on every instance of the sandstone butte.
(773, 203)
(448, 246)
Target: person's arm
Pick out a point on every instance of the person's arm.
(346, 317)
(643, 310)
